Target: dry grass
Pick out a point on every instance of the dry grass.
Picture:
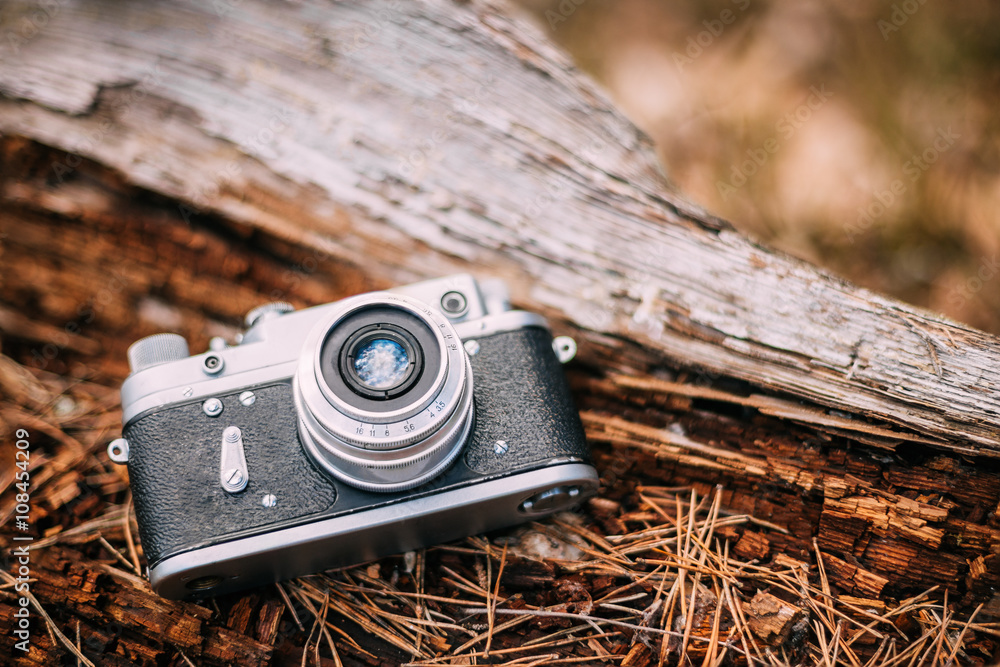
(679, 598)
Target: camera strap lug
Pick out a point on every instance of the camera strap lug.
(118, 450)
(565, 348)
(233, 473)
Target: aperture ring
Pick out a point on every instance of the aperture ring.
(390, 470)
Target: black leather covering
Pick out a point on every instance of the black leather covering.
(522, 398)
(173, 468)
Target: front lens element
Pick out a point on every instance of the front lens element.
(381, 364)
(379, 360)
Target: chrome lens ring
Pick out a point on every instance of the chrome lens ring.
(389, 445)
(312, 356)
(390, 470)
(376, 428)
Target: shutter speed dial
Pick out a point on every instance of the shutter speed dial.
(266, 311)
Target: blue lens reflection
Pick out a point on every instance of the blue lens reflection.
(381, 364)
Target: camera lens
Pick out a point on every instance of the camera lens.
(373, 360)
(381, 360)
(383, 392)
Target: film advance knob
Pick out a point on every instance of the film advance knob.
(155, 350)
(272, 309)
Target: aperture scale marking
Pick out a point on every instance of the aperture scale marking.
(401, 428)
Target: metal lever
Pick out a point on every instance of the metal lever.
(233, 474)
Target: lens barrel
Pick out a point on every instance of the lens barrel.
(383, 392)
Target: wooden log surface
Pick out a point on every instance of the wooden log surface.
(170, 166)
(412, 140)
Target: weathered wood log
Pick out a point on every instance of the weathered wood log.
(169, 168)
(355, 133)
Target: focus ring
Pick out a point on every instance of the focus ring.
(387, 472)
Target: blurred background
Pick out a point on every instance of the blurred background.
(862, 136)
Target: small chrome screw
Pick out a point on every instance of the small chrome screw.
(472, 347)
(269, 500)
(247, 398)
(212, 407)
(500, 447)
(188, 392)
(234, 476)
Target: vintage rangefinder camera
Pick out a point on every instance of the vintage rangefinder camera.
(345, 432)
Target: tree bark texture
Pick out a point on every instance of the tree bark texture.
(411, 140)
(169, 166)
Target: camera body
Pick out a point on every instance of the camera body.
(341, 433)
